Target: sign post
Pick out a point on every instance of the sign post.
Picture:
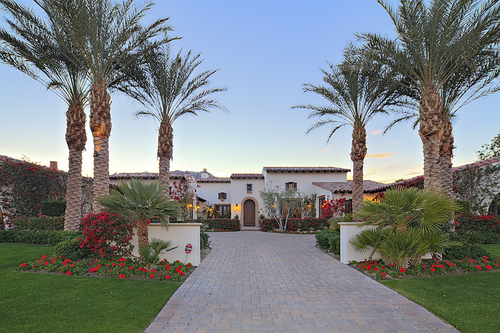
(188, 250)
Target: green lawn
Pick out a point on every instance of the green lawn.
(34, 302)
(469, 302)
(494, 249)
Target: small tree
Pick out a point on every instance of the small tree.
(280, 204)
(490, 150)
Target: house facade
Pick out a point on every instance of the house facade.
(238, 196)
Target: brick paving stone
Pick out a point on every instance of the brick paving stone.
(268, 282)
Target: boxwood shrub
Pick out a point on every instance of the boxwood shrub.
(305, 224)
(39, 223)
(35, 237)
(329, 240)
(220, 224)
(53, 208)
(70, 249)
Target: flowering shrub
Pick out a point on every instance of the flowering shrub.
(331, 208)
(220, 224)
(305, 224)
(26, 185)
(426, 267)
(40, 223)
(477, 224)
(107, 235)
(121, 268)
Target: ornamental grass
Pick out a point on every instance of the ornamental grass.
(122, 268)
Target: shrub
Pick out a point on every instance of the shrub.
(323, 238)
(53, 208)
(40, 223)
(35, 237)
(334, 242)
(220, 224)
(465, 223)
(70, 249)
(305, 224)
(204, 240)
(107, 235)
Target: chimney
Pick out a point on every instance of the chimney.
(204, 173)
(53, 165)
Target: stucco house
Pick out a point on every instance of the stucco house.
(239, 194)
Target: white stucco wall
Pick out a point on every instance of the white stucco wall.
(239, 194)
(210, 192)
(180, 234)
(347, 253)
(304, 180)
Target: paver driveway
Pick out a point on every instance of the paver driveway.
(256, 281)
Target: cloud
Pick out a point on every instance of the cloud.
(376, 132)
(326, 150)
(380, 156)
(393, 143)
(415, 171)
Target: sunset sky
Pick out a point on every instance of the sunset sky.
(266, 51)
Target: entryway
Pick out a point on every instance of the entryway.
(249, 213)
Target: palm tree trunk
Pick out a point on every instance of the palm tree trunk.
(142, 233)
(76, 138)
(358, 154)
(430, 132)
(100, 124)
(165, 152)
(446, 155)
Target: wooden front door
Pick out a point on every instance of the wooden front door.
(249, 213)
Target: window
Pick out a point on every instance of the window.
(249, 188)
(348, 206)
(223, 211)
(222, 196)
(291, 185)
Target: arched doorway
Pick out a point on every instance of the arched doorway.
(249, 213)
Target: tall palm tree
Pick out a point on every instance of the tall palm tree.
(434, 41)
(473, 81)
(167, 89)
(33, 47)
(140, 202)
(356, 90)
(106, 33)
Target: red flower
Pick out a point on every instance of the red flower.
(131, 267)
(433, 269)
(478, 267)
(182, 273)
(402, 269)
(69, 273)
(489, 267)
(23, 265)
(376, 269)
(46, 263)
(152, 276)
(167, 276)
(384, 274)
(122, 276)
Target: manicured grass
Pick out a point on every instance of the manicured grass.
(493, 249)
(469, 302)
(34, 302)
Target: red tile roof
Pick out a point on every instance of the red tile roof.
(213, 180)
(369, 186)
(247, 176)
(304, 169)
(147, 175)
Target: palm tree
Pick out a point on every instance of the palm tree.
(407, 224)
(473, 81)
(356, 91)
(33, 48)
(106, 33)
(167, 89)
(140, 202)
(434, 42)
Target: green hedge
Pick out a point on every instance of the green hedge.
(468, 248)
(329, 240)
(35, 237)
(40, 223)
(305, 224)
(53, 208)
(220, 224)
(70, 249)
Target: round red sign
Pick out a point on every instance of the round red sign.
(188, 248)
